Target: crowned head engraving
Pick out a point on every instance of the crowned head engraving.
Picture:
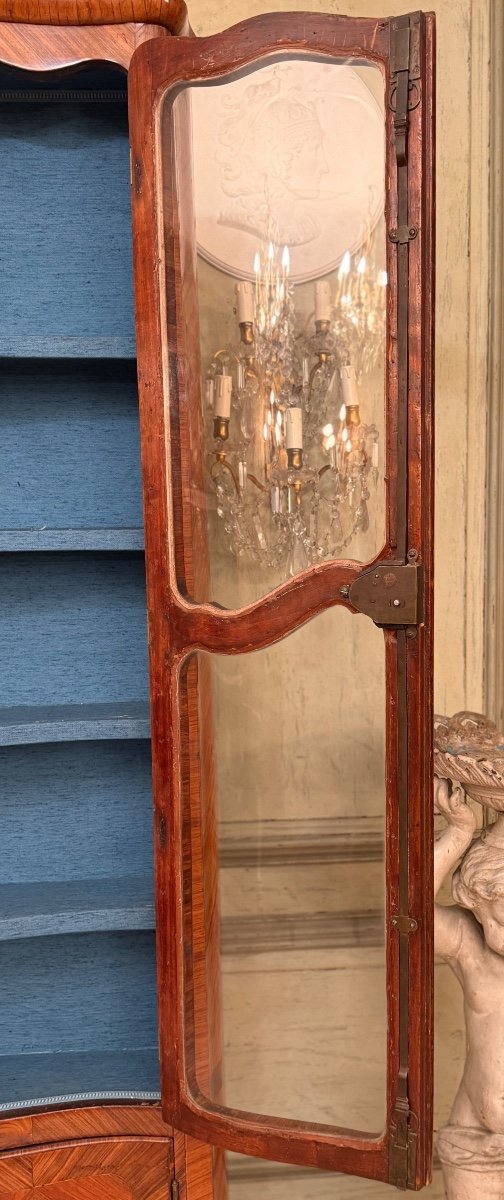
(273, 161)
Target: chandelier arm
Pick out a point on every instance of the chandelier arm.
(253, 479)
(222, 462)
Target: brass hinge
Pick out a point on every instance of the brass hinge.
(405, 75)
(403, 234)
(389, 593)
(174, 1189)
(405, 46)
(403, 1147)
(404, 923)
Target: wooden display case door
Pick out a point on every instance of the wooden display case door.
(187, 630)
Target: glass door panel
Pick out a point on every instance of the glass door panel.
(291, 285)
(296, 792)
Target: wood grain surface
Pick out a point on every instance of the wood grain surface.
(66, 48)
(85, 1123)
(181, 619)
(119, 1169)
(172, 14)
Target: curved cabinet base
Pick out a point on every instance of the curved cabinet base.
(119, 1169)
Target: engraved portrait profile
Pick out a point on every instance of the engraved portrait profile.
(293, 152)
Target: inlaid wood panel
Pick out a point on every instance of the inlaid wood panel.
(65, 1124)
(170, 13)
(124, 1169)
(56, 47)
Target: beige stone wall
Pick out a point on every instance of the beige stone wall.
(461, 364)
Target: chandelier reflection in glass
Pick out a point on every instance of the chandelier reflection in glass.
(291, 461)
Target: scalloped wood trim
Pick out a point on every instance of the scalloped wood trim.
(172, 14)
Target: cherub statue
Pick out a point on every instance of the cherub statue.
(469, 935)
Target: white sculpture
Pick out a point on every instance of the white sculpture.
(470, 936)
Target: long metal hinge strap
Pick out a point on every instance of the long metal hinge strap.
(400, 1165)
(400, 55)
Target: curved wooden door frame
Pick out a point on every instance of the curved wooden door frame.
(177, 625)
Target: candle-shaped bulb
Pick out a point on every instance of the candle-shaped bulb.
(342, 412)
(271, 251)
(286, 259)
(345, 263)
(382, 278)
(323, 303)
(222, 401)
(294, 428)
(349, 385)
(361, 265)
(245, 302)
(257, 263)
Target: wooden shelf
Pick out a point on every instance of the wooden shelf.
(67, 347)
(19, 540)
(36, 1080)
(27, 725)
(29, 910)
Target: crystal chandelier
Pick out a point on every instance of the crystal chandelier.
(290, 460)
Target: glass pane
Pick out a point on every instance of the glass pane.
(258, 1179)
(290, 295)
(294, 803)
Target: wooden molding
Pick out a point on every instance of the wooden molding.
(104, 1120)
(299, 843)
(257, 934)
(172, 14)
(63, 48)
(479, 252)
(257, 1170)
(494, 599)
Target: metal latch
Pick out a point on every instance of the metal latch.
(402, 1147)
(388, 593)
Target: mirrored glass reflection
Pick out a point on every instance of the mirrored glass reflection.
(288, 170)
(291, 752)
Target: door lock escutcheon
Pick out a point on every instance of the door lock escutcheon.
(389, 593)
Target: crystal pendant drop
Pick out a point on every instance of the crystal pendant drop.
(276, 505)
(242, 475)
(362, 517)
(298, 558)
(259, 532)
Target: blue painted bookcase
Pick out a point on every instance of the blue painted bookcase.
(77, 976)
